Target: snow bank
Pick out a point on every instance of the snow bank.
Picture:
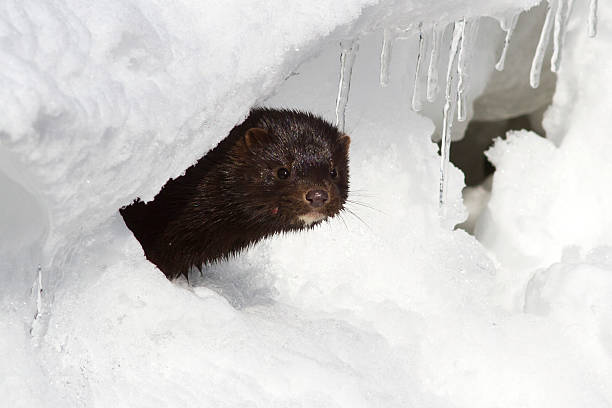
(549, 195)
(576, 293)
(106, 101)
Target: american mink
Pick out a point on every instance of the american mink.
(278, 171)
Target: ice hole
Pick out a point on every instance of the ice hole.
(508, 102)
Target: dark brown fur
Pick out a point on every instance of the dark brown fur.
(233, 196)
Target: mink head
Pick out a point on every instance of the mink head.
(293, 167)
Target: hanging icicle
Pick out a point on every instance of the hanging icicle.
(38, 289)
(466, 46)
(461, 72)
(592, 30)
(538, 59)
(432, 72)
(449, 111)
(509, 27)
(561, 17)
(385, 56)
(417, 100)
(347, 59)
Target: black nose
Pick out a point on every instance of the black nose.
(317, 198)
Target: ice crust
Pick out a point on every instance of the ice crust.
(387, 307)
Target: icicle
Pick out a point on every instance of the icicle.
(593, 18)
(385, 56)
(561, 17)
(509, 28)
(39, 293)
(449, 110)
(38, 286)
(505, 23)
(461, 73)
(536, 65)
(347, 59)
(417, 100)
(432, 72)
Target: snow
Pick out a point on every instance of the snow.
(388, 306)
(575, 292)
(564, 176)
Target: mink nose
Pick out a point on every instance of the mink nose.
(317, 198)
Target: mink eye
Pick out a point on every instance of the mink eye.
(333, 173)
(283, 173)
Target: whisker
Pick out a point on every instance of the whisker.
(344, 222)
(360, 193)
(365, 205)
(359, 218)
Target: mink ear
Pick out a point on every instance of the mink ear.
(345, 141)
(255, 137)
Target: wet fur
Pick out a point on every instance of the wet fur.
(227, 200)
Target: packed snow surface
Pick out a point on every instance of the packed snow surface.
(385, 306)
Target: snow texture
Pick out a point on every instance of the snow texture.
(388, 306)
